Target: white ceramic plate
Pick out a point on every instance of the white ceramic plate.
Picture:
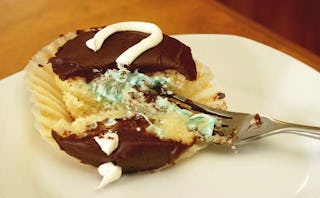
(256, 78)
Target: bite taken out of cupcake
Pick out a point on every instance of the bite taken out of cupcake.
(100, 96)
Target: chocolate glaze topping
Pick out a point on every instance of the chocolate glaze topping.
(75, 59)
(137, 150)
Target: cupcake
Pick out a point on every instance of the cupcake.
(100, 96)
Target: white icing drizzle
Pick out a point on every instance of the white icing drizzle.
(108, 142)
(109, 172)
(128, 56)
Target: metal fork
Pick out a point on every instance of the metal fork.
(243, 128)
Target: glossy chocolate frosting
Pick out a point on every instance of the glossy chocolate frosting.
(75, 59)
(137, 150)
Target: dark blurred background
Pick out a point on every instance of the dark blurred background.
(296, 20)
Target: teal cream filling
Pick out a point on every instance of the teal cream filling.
(115, 85)
(118, 87)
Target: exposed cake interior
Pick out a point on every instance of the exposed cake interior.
(123, 94)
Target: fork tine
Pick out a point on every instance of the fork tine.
(231, 122)
(201, 108)
(226, 124)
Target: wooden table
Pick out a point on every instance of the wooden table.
(26, 26)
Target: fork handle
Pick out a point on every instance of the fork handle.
(298, 129)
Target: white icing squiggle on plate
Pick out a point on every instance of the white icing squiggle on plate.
(128, 56)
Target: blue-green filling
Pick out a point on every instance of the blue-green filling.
(203, 123)
(116, 84)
